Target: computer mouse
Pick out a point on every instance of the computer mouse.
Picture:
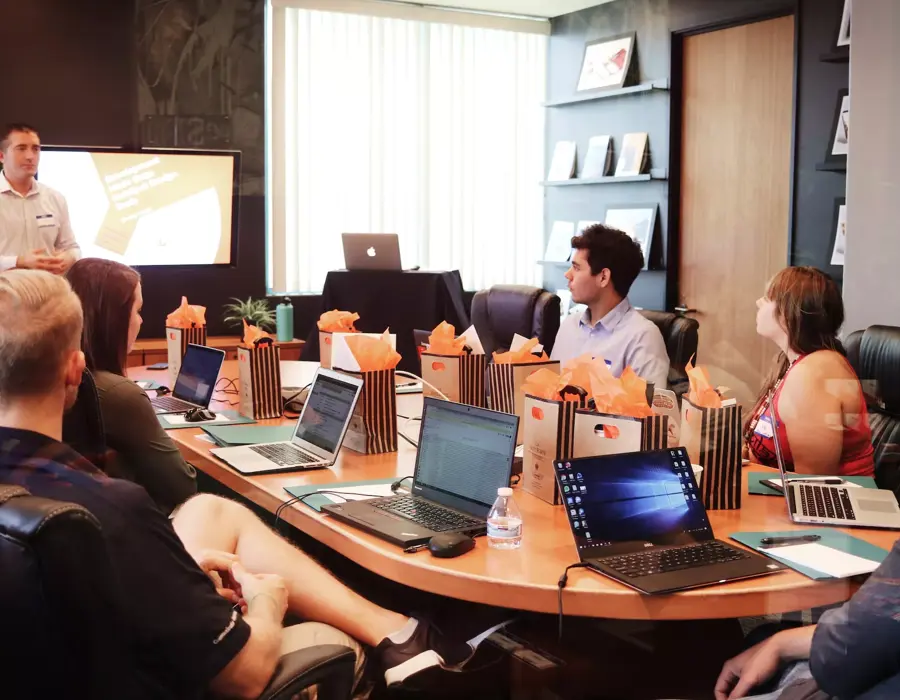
(447, 545)
(198, 415)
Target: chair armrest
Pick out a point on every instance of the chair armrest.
(328, 666)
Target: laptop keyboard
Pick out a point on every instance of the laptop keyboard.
(663, 561)
(823, 502)
(284, 455)
(169, 403)
(428, 514)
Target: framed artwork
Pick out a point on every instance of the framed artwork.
(839, 248)
(839, 144)
(638, 221)
(843, 38)
(606, 63)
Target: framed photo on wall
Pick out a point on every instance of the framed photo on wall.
(638, 221)
(839, 232)
(607, 63)
(839, 143)
(843, 38)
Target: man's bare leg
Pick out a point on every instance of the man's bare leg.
(210, 522)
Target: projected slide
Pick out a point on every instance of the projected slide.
(146, 209)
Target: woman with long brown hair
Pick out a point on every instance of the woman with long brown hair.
(818, 403)
(111, 297)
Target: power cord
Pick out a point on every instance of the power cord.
(395, 487)
(404, 373)
(302, 499)
(286, 402)
(563, 580)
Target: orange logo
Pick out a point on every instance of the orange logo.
(537, 413)
(327, 340)
(610, 431)
(438, 366)
(171, 336)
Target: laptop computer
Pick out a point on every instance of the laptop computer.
(841, 505)
(318, 436)
(638, 518)
(465, 454)
(195, 383)
(371, 251)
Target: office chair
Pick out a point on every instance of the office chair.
(503, 310)
(83, 423)
(681, 335)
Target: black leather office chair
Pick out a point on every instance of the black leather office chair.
(681, 335)
(58, 602)
(875, 357)
(503, 310)
(83, 423)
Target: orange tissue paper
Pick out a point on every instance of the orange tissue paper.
(702, 393)
(522, 356)
(625, 396)
(443, 341)
(338, 322)
(544, 384)
(253, 334)
(186, 316)
(373, 354)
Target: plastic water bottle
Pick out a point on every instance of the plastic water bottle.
(284, 321)
(504, 522)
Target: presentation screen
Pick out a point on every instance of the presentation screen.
(154, 207)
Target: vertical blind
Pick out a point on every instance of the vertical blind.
(431, 131)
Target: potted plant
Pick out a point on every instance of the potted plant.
(256, 311)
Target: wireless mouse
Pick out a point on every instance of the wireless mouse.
(198, 415)
(447, 545)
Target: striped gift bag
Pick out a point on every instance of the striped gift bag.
(373, 427)
(712, 437)
(505, 383)
(459, 377)
(259, 373)
(549, 435)
(177, 340)
(599, 434)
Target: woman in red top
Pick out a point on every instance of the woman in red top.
(819, 405)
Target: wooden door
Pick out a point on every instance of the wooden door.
(735, 189)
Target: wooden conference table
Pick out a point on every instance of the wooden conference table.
(523, 579)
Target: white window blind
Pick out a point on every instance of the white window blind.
(431, 131)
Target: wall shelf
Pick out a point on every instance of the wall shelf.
(654, 174)
(840, 56)
(653, 85)
(832, 167)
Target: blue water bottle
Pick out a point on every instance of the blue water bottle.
(284, 321)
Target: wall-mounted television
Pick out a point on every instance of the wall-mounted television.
(149, 207)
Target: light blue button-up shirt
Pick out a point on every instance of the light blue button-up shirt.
(624, 338)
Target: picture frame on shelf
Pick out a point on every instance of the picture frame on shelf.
(636, 220)
(843, 37)
(607, 63)
(839, 232)
(839, 139)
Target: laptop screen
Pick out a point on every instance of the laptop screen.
(627, 502)
(198, 374)
(465, 454)
(326, 412)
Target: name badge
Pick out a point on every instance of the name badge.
(45, 220)
(764, 427)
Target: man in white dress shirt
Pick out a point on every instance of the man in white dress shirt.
(605, 263)
(35, 231)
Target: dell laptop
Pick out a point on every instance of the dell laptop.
(371, 251)
(317, 439)
(638, 518)
(195, 383)
(841, 505)
(465, 454)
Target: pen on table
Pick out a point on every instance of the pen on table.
(776, 541)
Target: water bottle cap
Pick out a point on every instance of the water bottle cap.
(287, 300)
(504, 491)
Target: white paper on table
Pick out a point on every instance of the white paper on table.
(519, 340)
(473, 341)
(178, 419)
(358, 493)
(342, 358)
(826, 559)
(203, 437)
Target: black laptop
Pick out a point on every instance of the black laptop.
(465, 454)
(638, 518)
(195, 383)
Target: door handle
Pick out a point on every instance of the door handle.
(682, 310)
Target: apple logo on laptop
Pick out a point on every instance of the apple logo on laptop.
(371, 252)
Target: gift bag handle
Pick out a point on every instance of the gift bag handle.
(265, 340)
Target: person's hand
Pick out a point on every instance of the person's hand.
(270, 587)
(749, 669)
(40, 259)
(217, 565)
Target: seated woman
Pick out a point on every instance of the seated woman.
(819, 405)
(111, 297)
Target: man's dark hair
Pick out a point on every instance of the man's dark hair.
(8, 130)
(609, 248)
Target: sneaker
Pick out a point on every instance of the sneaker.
(426, 648)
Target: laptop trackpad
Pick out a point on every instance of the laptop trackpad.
(873, 506)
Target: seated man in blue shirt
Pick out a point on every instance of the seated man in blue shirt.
(605, 263)
(205, 592)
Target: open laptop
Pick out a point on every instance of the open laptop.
(465, 454)
(823, 504)
(195, 383)
(318, 436)
(638, 518)
(371, 251)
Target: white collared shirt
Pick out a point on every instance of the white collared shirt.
(40, 219)
(624, 338)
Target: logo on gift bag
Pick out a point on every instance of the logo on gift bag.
(537, 413)
(610, 432)
(171, 336)
(327, 340)
(438, 366)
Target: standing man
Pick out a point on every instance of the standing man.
(35, 231)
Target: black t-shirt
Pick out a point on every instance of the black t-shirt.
(180, 632)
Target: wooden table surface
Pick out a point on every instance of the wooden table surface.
(526, 578)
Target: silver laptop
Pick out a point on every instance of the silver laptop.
(371, 251)
(317, 438)
(841, 505)
(195, 383)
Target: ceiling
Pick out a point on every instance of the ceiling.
(534, 8)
